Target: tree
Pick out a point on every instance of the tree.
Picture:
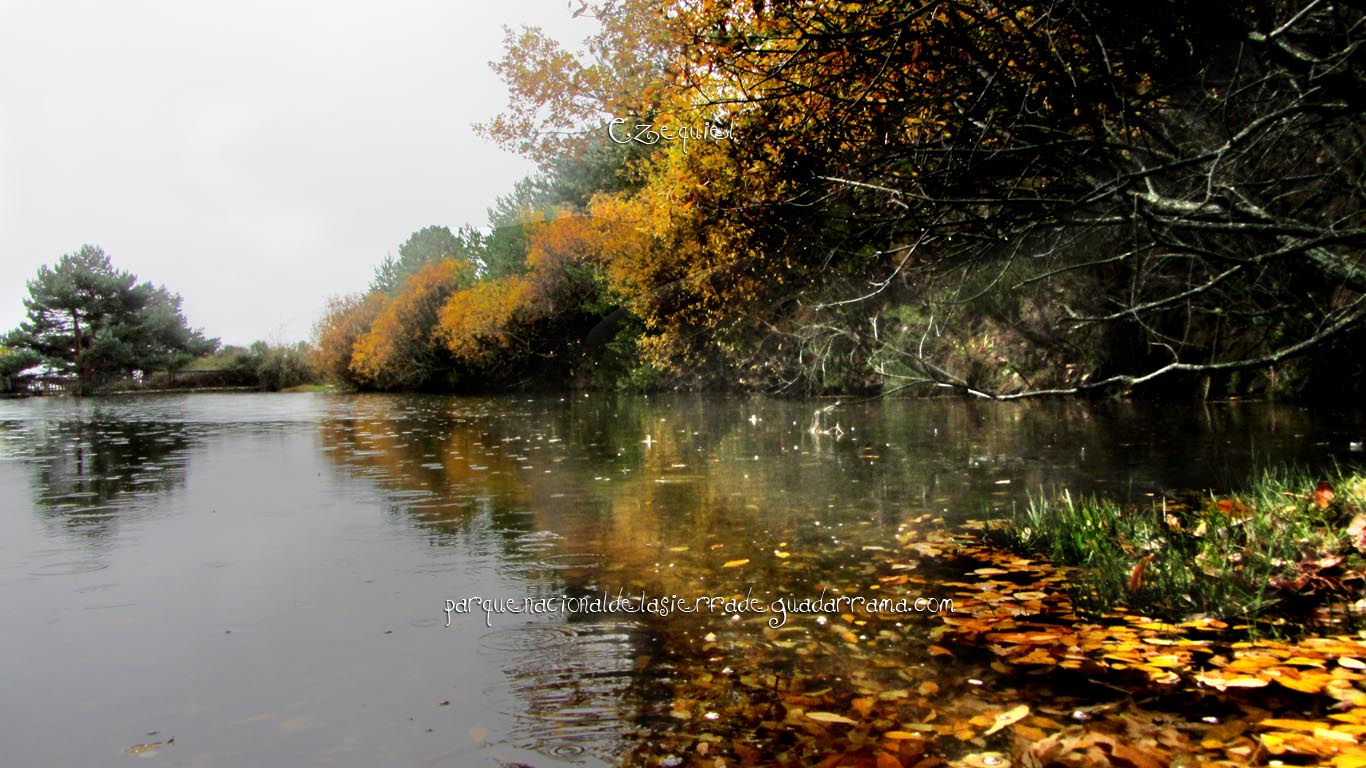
(345, 320)
(400, 349)
(1007, 199)
(426, 246)
(88, 318)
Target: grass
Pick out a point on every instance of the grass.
(1282, 549)
(311, 388)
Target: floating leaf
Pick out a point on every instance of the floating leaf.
(1284, 724)
(1008, 718)
(735, 563)
(830, 717)
(1220, 683)
(145, 750)
(1331, 735)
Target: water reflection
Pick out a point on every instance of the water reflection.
(89, 473)
(697, 498)
(274, 565)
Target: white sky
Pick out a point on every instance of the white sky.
(254, 157)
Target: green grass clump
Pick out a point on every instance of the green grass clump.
(1281, 549)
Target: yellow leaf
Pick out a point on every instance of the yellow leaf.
(735, 563)
(829, 717)
(1286, 724)
(901, 735)
(1303, 684)
(1165, 661)
(1274, 742)
(1246, 682)
(1008, 718)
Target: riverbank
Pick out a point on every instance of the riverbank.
(1291, 545)
(1128, 689)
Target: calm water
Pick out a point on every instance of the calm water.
(264, 578)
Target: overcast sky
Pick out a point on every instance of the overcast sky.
(254, 157)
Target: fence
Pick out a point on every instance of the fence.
(138, 382)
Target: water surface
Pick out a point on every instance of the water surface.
(263, 578)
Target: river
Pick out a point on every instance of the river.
(293, 579)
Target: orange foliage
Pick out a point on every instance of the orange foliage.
(345, 320)
(680, 256)
(496, 316)
(559, 99)
(400, 349)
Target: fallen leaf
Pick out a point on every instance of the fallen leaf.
(830, 717)
(1323, 495)
(145, 750)
(1286, 724)
(1008, 718)
(885, 760)
(735, 563)
(1136, 575)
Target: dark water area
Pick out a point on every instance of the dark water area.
(264, 577)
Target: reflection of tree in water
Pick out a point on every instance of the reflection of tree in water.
(88, 473)
(662, 495)
(434, 470)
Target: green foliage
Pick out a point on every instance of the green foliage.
(1003, 199)
(13, 361)
(1285, 547)
(282, 366)
(426, 246)
(271, 366)
(88, 318)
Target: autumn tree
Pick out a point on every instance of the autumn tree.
(559, 102)
(1009, 198)
(88, 318)
(400, 350)
(345, 320)
(544, 323)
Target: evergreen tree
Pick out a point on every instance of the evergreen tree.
(88, 318)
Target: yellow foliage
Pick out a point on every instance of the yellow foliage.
(399, 349)
(345, 320)
(476, 323)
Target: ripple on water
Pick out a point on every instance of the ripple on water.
(538, 541)
(69, 568)
(528, 638)
(568, 561)
(572, 561)
(573, 702)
